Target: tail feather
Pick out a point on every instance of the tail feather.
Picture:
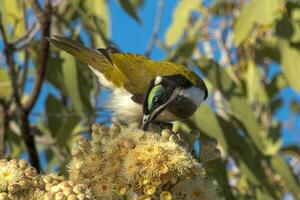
(86, 55)
(92, 57)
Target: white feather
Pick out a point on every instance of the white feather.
(157, 80)
(123, 108)
(195, 94)
(102, 80)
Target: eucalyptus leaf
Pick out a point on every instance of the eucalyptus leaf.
(5, 84)
(255, 91)
(242, 111)
(266, 12)
(290, 58)
(12, 15)
(97, 20)
(128, 6)
(53, 107)
(209, 124)
(180, 20)
(70, 75)
(281, 167)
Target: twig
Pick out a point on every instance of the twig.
(40, 75)
(42, 64)
(156, 27)
(38, 11)
(23, 41)
(26, 59)
(3, 127)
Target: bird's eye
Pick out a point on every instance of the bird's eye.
(155, 97)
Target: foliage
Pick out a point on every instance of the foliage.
(235, 57)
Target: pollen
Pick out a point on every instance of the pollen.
(165, 195)
(149, 190)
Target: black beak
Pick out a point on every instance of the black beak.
(146, 122)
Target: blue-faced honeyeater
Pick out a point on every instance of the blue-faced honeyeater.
(144, 91)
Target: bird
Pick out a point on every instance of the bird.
(143, 91)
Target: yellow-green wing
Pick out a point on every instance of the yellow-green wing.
(131, 71)
(139, 71)
(90, 57)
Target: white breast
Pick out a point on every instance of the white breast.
(123, 108)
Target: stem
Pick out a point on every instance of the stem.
(44, 49)
(3, 127)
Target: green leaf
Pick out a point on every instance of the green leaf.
(218, 169)
(288, 29)
(244, 114)
(208, 123)
(137, 3)
(255, 91)
(70, 75)
(290, 58)
(266, 12)
(296, 14)
(244, 24)
(12, 15)
(54, 72)
(180, 20)
(284, 27)
(184, 50)
(97, 21)
(242, 111)
(251, 175)
(66, 130)
(282, 168)
(268, 47)
(276, 85)
(130, 9)
(53, 106)
(262, 195)
(5, 85)
(295, 106)
(239, 147)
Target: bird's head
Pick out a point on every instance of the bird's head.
(171, 98)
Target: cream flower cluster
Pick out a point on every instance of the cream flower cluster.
(131, 164)
(116, 164)
(18, 181)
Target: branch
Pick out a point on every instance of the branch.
(25, 40)
(3, 127)
(156, 27)
(42, 64)
(38, 11)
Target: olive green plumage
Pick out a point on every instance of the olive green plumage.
(131, 71)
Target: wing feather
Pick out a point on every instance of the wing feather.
(139, 71)
(131, 71)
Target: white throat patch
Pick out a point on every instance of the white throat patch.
(195, 94)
